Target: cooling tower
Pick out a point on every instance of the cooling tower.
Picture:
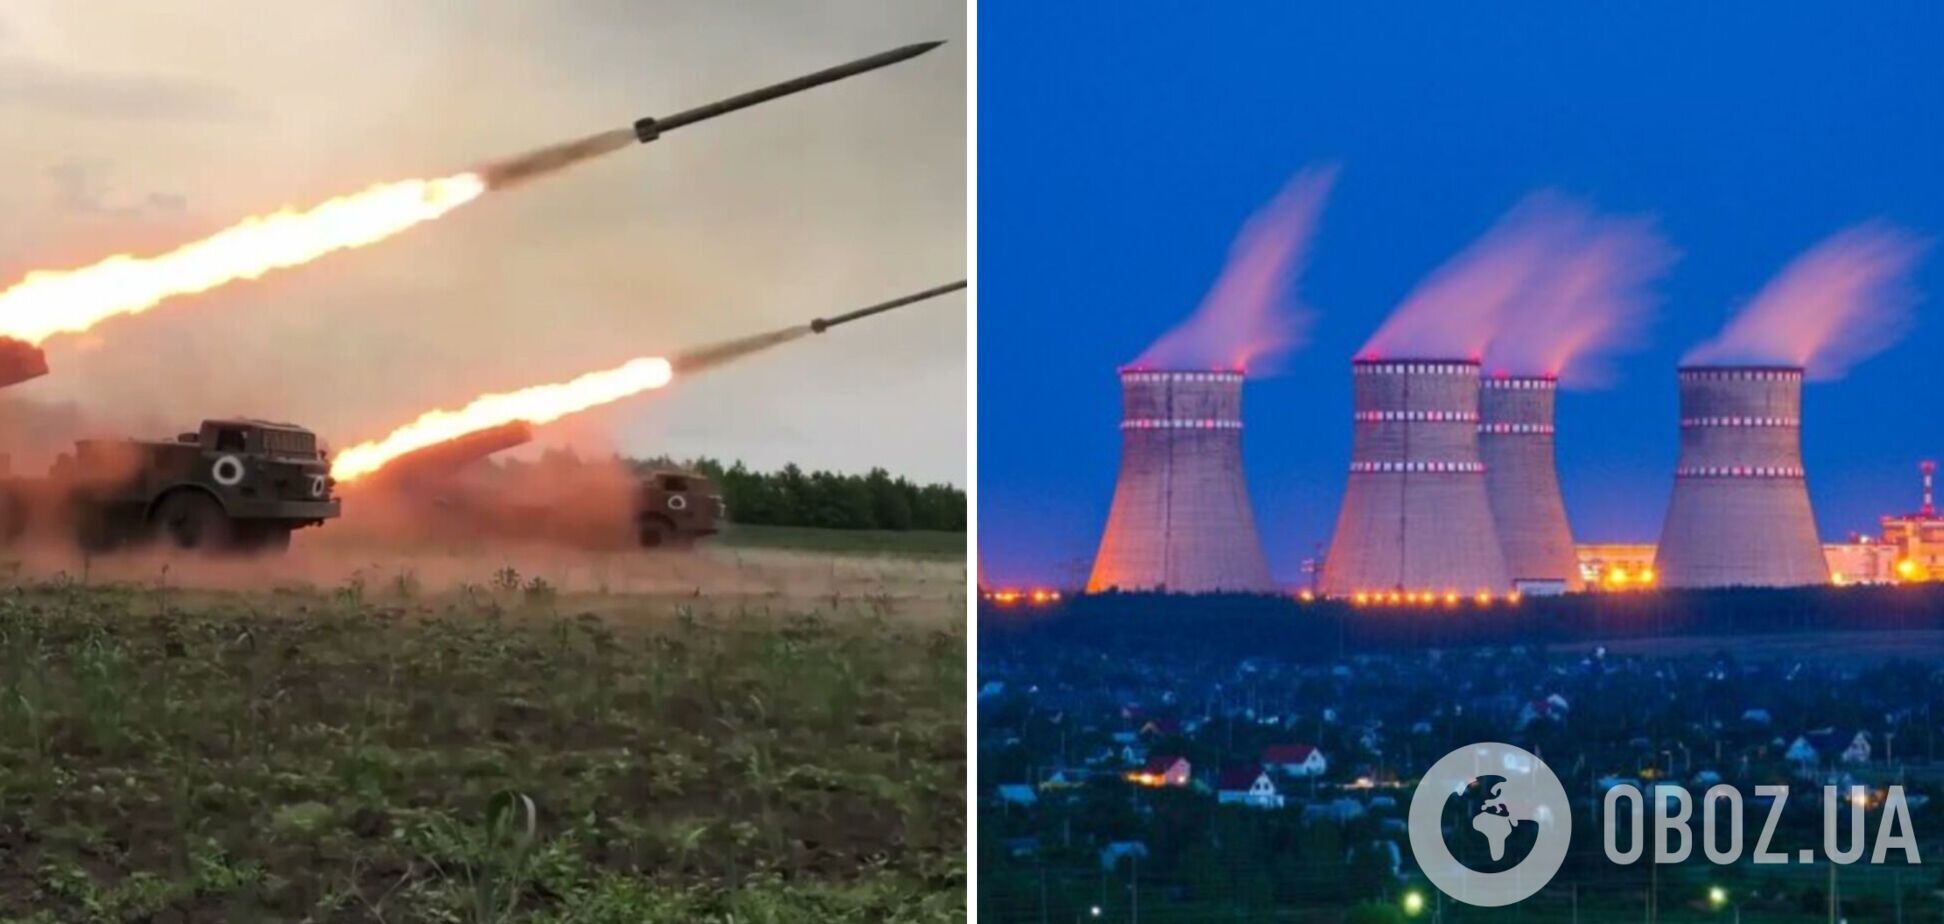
(1415, 516)
(1515, 441)
(1181, 519)
(1740, 513)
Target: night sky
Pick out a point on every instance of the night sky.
(1120, 150)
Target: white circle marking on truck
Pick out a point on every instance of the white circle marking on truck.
(228, 471)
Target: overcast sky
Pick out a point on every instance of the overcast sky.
(137, 127)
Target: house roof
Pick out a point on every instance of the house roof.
(1160, 764)
(1161, 726)
(1238, 779)
(1287, 753)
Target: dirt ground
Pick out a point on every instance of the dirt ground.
(718, 578)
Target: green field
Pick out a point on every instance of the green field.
(915, 543)
(499, 750)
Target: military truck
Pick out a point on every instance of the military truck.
(455, 491)
(235, 485)
(676, 508)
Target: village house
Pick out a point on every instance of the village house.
(1018, 794)
(1161, 771)
(1248, 786)
(1812, 749)
(1299, 760)
(1112, 854)
(1553, 709)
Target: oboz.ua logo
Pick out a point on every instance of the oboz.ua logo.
(1490, 824)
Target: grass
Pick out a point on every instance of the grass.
(504, 752)
(916, 543)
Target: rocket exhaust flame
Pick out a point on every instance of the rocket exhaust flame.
(537, 405)
(546, 403)
(46, 303)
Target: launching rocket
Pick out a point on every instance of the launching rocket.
(717, 354)
(510, 171)
(819, 325)
(650, 128)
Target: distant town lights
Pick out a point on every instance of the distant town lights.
(1038, 596)
(1448, 597)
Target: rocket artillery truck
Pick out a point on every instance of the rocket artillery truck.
(236, 485)
(20, 361)
(451, 490)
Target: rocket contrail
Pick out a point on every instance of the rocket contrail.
(540, 404)
(49, 302)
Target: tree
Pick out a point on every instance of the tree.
(826, 500)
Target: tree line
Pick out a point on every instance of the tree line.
(829, 500)
(1243, 625)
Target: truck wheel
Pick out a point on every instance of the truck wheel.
(192, 521)
(654, 532)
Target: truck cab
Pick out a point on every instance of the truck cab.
(236, 484)
(675, 507)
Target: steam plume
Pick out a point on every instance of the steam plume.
(1837, 304)
(1248, 317)
(1545, 288)
(1592, 295)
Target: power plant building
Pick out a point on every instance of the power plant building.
(1740, 514)
(1918, 538)
(1416, 517)
(1515, 441)
(1181, 520)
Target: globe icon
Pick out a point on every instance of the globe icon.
(1489, 826)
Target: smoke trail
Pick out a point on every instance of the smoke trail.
(1247, 318)
(1591, 296)
(1551, 282)
(1835, 305)
(728, 351)
(511, 171)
